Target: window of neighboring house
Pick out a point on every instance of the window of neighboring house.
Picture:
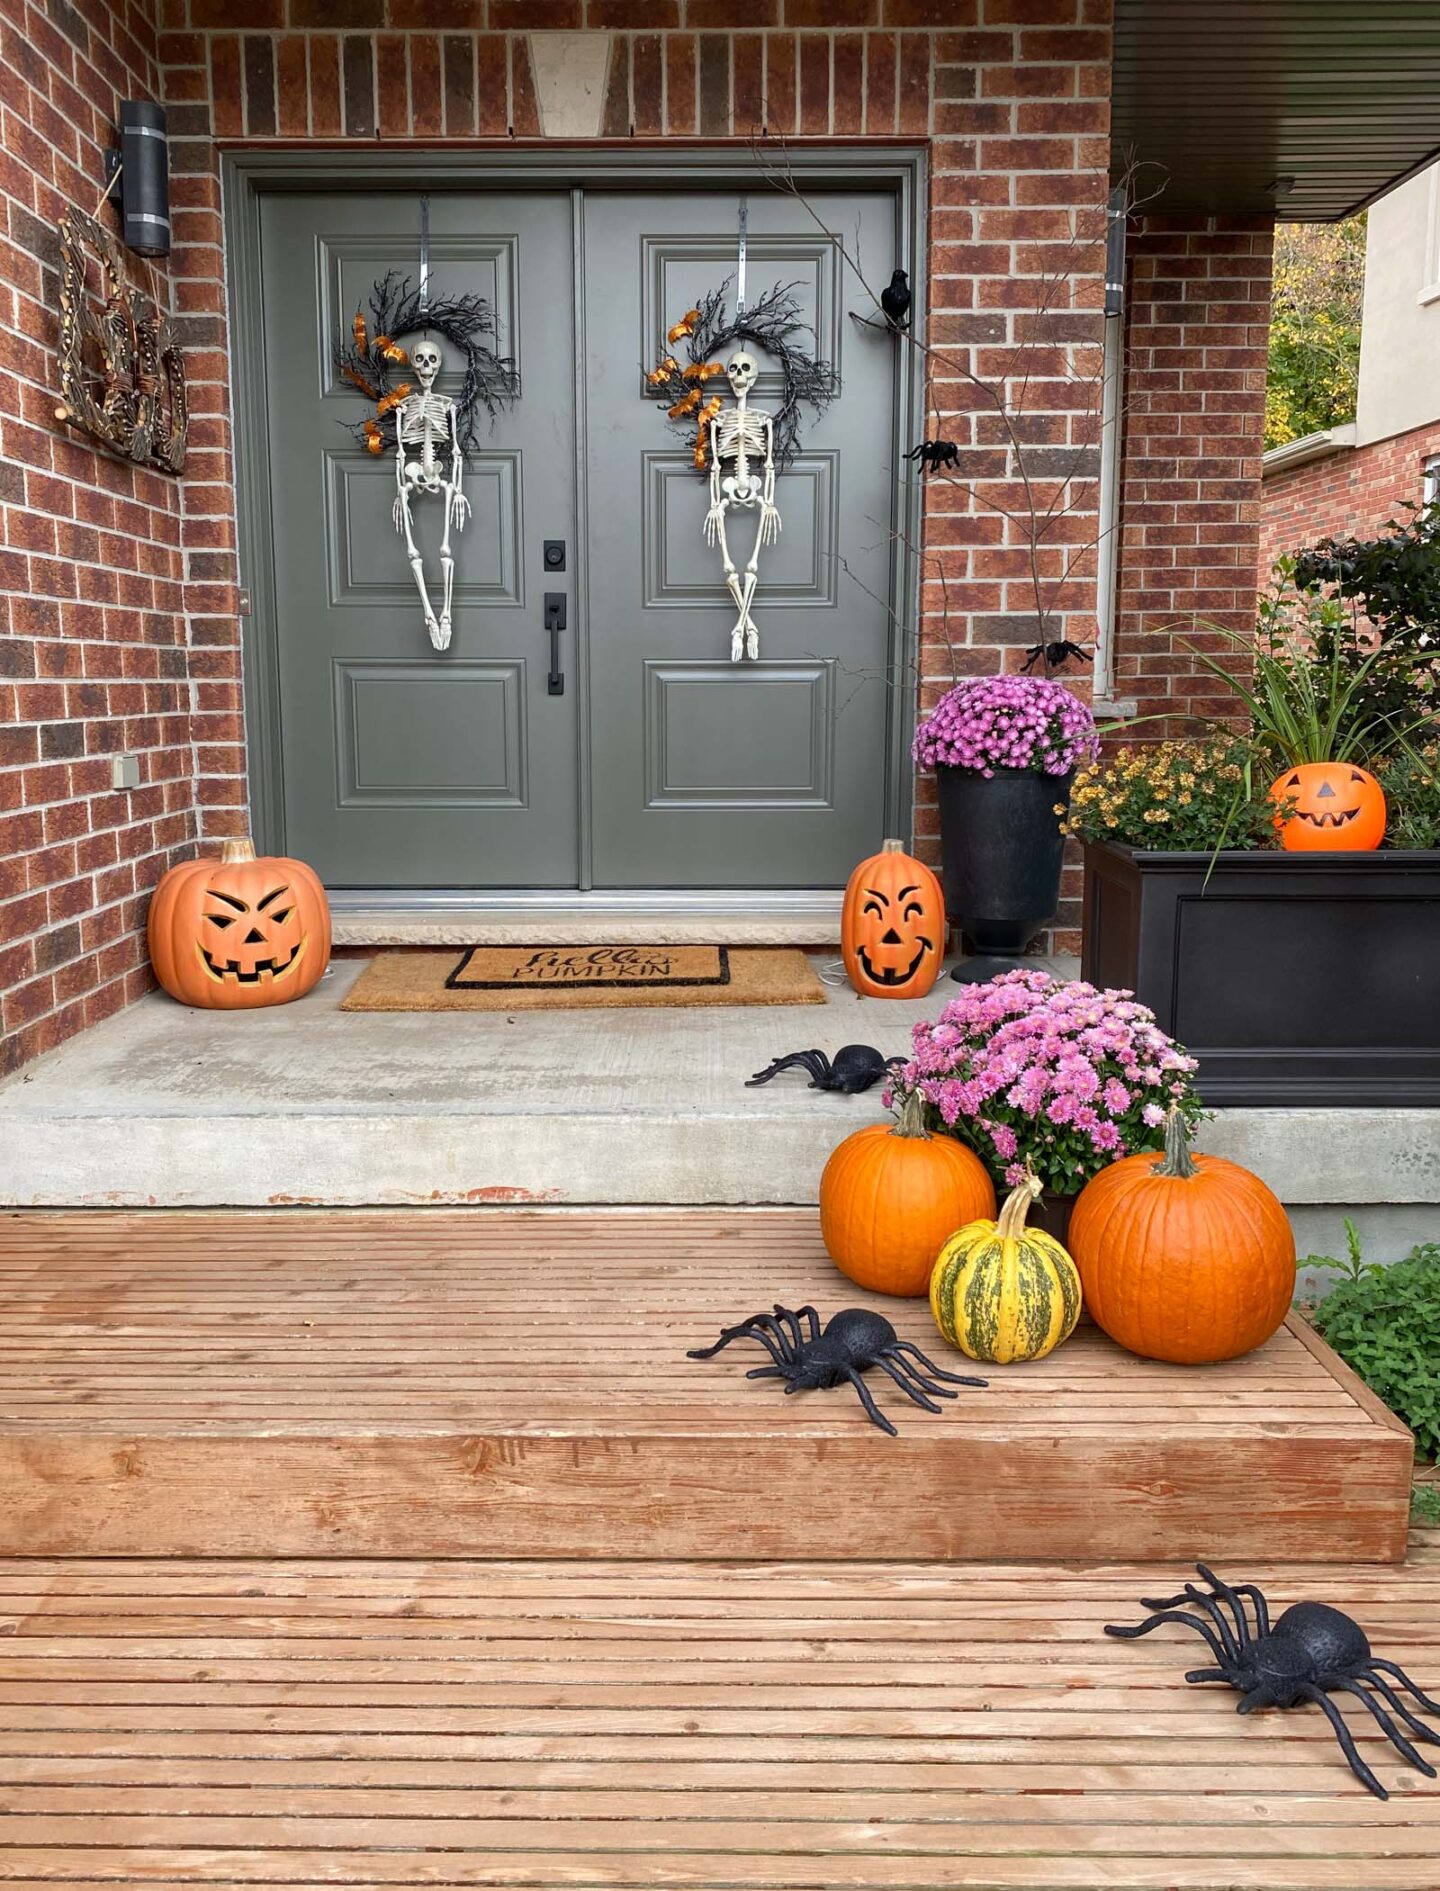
(1430, 491)
(1430, 279)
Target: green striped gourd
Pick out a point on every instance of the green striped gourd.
(1003, 1292)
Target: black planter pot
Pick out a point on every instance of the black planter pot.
(1002, 848)
(1297, 979)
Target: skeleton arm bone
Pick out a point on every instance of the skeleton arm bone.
(769, 512)
(717, 508)
(459, 504)
(401, 504)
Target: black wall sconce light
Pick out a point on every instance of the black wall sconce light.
(142, 164)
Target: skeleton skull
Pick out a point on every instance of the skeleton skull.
(427, 358)
(741, 373)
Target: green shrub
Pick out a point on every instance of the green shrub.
(1385, 1324)
(1425, 1506)
(1411, 780)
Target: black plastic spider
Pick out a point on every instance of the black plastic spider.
(933, 454)
(1312, 1652)
(854, 1067)
(853, 1341)
(1054, 655)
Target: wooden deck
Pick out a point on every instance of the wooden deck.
(674, 1727)
(505, 1383)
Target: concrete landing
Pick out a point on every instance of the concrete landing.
(162, 1106)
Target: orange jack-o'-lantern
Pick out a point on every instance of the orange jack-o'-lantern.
(236, 933)
(1334, 807)
(892, 926)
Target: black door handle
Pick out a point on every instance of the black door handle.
(554, 624)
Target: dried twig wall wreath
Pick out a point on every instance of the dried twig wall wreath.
(742, 447)
(373, 359)
(773, 324)
(428, 432)
(122, 377)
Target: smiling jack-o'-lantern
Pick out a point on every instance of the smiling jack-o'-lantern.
(1333, 807)
(236, 933)
(892, 926)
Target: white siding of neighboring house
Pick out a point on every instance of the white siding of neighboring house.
(1400, 337)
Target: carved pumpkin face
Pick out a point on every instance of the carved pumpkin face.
(892, 926)
(1335, 807)
(238, 933)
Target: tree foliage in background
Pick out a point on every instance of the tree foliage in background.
(1314, 328)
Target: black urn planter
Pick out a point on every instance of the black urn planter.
(1002, 849)
(1305, 979)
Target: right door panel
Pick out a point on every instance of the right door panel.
(707, 772)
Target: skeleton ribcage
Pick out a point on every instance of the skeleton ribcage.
(735, 430)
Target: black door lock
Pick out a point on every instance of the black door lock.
(554, 624)
(554, 554)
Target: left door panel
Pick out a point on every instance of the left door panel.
(407, 766)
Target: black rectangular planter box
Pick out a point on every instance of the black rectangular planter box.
(1296, 979)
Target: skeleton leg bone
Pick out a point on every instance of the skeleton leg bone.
(745, 634)
(457, 508)
(439, 638)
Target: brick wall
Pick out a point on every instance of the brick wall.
(1354, 490)
(92, 634)
(1198, 312)
(1013, 94)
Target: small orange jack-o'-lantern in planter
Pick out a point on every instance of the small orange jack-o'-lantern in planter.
(892, 926)
(236, 933)
(1334, 807)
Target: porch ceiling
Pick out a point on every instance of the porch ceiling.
(1229, 96)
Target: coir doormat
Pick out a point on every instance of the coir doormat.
(542, 978)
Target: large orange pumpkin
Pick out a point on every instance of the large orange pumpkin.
(1335, 807)
(891, 1196)
(1188, 1258)
(236, 933)
(892, 925)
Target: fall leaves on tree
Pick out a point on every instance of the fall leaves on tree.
(1314, 328)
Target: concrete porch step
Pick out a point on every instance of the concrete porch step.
(166, 1107)
(515, 1383)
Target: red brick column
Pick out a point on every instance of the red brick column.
(92, 634)
(1197, 328)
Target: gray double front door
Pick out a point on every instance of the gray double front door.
(659, 763)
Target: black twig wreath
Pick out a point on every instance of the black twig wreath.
(372, 358)
(772, 325)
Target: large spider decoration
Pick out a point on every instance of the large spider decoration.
(935, 454)
(1313, 1651)
(853, 1341)
(854, 1067)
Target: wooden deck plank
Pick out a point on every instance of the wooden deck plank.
(515, 1384)
(1058, 1760)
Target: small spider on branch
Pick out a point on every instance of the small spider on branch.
(1054, 655)
(935, 454)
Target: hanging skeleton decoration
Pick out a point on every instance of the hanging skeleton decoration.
(742, 476)
(428, 461)
(429, 432)
(742, 448)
